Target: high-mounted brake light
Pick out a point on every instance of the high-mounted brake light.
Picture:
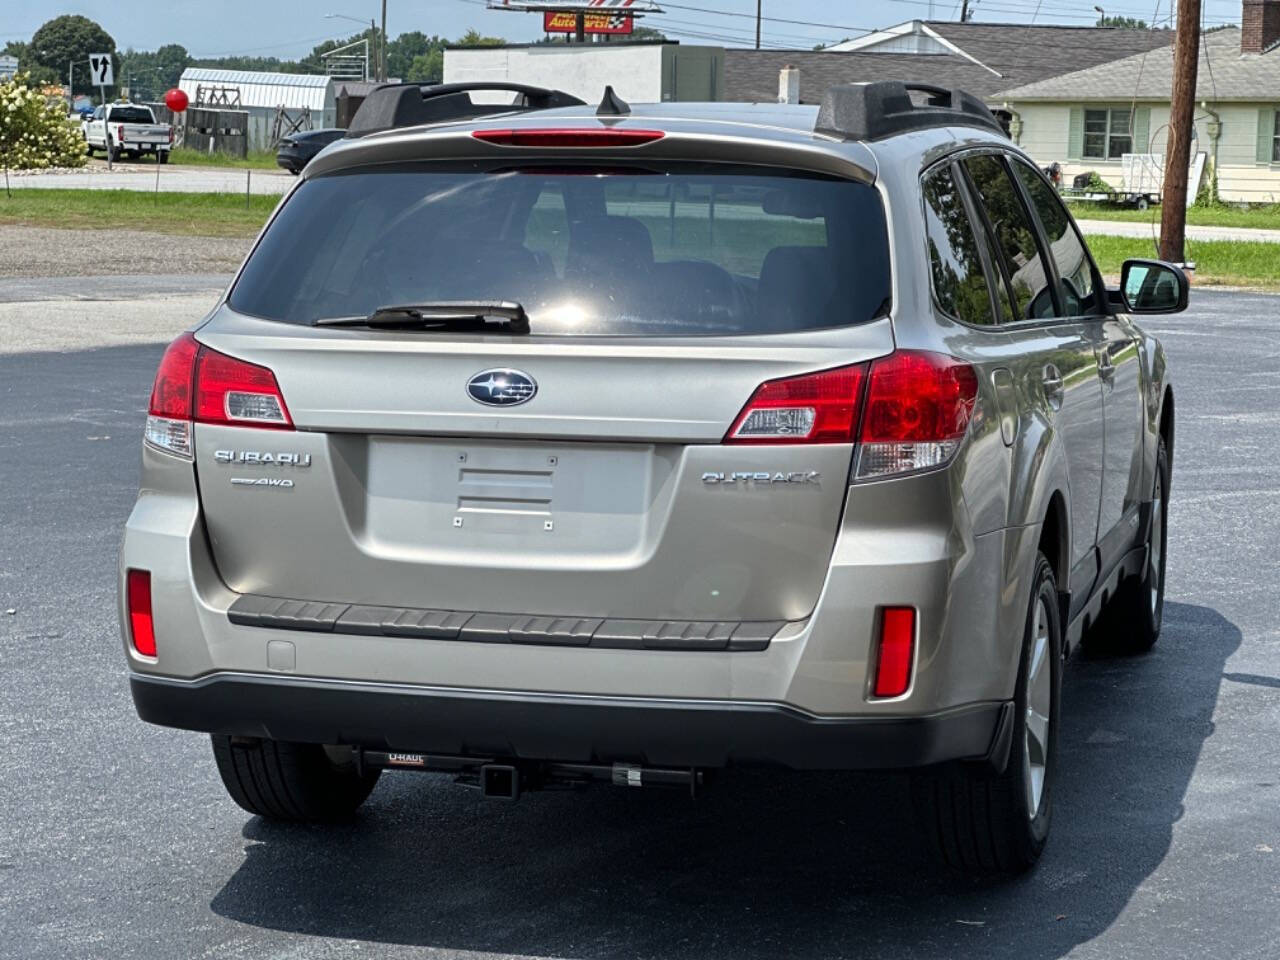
(917, 411)
(894, 651)
(567, 137)
(197, 385)
(137, 595)
(814, 408)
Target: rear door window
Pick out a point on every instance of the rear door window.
(1015, 237)
(959, 280)
(591, 251)
(1076, 287)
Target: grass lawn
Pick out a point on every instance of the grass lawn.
(1267, 217)
(1220, 262)
(257, 159)
(190, 214)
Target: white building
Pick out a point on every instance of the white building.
(262, 94)
(638, 72)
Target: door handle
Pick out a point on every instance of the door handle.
(1106, 369)
(1052, 382)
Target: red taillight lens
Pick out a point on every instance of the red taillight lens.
(171, 393)
(197, 385)
(895, 649)
(569, 137)
(120, 133)
(815, 408)
(237, 393)
(138, 600)
(917, 411)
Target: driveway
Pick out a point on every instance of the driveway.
(117, 839)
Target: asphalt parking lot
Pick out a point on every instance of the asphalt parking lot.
(117, 839)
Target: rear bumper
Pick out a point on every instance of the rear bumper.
(680, 733)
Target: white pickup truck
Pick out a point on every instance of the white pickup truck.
(134, 132)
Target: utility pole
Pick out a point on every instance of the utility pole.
(382, 61)
(758, 3)
(1186, 61)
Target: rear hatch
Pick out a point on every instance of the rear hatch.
(578, 469)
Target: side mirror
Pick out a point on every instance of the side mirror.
(1153, 286)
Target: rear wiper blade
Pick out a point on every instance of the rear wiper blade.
(500, 316)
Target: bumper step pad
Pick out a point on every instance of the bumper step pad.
(252, 610)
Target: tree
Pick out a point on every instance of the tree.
(149, 74)
(406, 48)
(473, 38)
(426, 68)
(67, 38)
(1124, 23)
(647, 33)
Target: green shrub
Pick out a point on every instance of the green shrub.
(36, 133)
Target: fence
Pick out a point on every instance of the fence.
(218, 131)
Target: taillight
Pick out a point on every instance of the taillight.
(171, 134)
(814, 408)
(569, 137)
(236, 393)
(906, 412)
(917, 411)
(894, 651)
(142, 631)
(197, 385)
(120, 133)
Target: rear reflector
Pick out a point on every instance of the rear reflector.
(893, 658)
(814, 408)
(138, 600)
(570, 137)
(918, 409)
(197, 385)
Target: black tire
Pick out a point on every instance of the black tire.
(163, 156)
(300, 782)
(1131, 623)
(982, 822)
(115, 154)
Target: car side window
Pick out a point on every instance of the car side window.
(1015, 237)
(1075, 269)
(959, 281)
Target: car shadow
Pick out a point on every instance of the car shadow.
(762, 865)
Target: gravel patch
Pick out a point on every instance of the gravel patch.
(47, 252)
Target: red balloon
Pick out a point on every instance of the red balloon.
(176, 100)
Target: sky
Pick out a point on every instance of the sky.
(290, 29)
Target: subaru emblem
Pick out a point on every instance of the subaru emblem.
(501, 387)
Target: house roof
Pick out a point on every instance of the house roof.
(987, 59)
(1224, 74)
(262, 89)
(752, 75)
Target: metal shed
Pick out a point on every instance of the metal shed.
(262, 94)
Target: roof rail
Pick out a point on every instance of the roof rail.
(396, 105)
(871, 111)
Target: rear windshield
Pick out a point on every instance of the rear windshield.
(131, 115)
(585, 251)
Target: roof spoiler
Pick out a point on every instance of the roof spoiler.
(871, 111)
(395, 105)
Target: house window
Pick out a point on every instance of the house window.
(1108, 134)
(1275, 139)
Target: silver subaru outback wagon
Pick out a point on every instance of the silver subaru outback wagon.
(544, 442)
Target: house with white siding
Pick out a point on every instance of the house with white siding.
(1089, 119)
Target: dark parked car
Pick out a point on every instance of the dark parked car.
(296, 150)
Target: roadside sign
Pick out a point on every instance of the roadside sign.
(611, 23)
(100, 66)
